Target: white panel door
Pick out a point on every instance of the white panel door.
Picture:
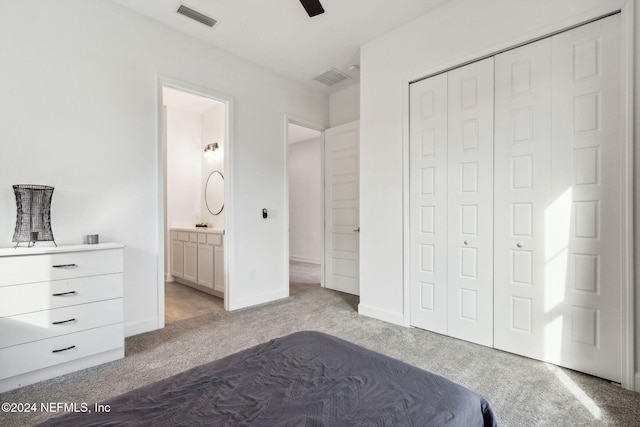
(342, 208)
(470, 202)
(558, 200)
(522, 196)
(541, 267)
(428, 203)
(583, 241)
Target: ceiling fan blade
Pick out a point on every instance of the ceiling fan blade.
(313, 7)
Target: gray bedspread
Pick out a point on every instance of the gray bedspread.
(303, 379)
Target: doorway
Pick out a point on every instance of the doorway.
(195, 162)
(305, 178)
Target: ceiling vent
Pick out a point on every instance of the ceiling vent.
(332, 77)
(197, 16)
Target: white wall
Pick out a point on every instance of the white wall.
(344, 106)
(184, 167)
(305, 201)
(459, 31)
(213, 130)
(79, 112)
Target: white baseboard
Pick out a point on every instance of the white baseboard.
(309, 260)
(384, 315)
(27, 378)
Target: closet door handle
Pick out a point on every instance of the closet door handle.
(356, 230)
(466, 243)
(518, 245)
(63, 349)
(62, 322)
(65, 266)
(63, 294)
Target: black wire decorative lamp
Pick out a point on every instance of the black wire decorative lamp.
(33, 221)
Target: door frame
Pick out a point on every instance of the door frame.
(630, 380)
(293, 119)
(161, 82)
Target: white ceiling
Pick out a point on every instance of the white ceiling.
(279, 35)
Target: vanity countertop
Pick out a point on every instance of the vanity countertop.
(210, 230)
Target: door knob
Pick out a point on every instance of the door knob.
(357, 230)
(466, 243)
(519, 245)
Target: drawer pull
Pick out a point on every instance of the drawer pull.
(63, 349)
(62, 322)
(65, 266)
(62, 294)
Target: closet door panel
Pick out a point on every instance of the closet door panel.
(584, 281)
(428, 203)
(470, 202)
(515, 213)
(522, 190)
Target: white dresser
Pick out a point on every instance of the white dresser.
(61, 310)
(197, 258)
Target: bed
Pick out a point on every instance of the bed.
(303, 379)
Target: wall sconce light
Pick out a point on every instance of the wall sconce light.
(211, 148)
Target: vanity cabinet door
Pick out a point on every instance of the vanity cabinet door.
(191, 261)
(219, 268)
(205, 265)
(177, 258)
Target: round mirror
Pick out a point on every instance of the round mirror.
(214, 192)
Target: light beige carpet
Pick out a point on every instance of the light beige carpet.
(523, 392)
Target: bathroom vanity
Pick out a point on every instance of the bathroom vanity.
(197, 258)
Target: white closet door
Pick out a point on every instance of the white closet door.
(470, 202)
(428, 203)
(558, 200)
(522, 195)
(583, 240)
(555, 249)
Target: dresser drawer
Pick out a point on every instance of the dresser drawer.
(56, 266)
(30, 297)
(60, 321)
(24, 358)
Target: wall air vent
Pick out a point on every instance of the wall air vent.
(196, 16)
(332, 77)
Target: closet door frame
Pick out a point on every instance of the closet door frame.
(627, 304)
